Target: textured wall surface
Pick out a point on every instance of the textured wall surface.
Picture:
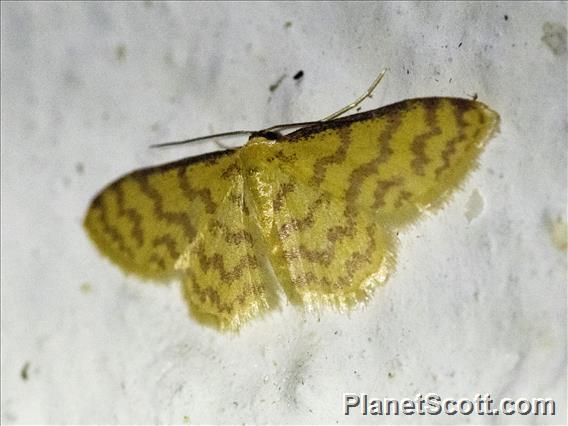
(478, 301)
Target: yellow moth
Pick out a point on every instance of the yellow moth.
(314, 212)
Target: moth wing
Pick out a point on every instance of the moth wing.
(147, 219)
(227, 280)
(323, 252)
(393, 162)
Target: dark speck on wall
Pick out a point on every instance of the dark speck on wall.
(24, 372)
(506, 17)
(120, 52)
(299, 75)
(555, 37)
(275, 85)
(79, 168)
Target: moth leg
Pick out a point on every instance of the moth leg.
(360, 99)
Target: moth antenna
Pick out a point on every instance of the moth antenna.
(336, 114)
(232, 134)
(360, 99)
(290, 125)
(202, 138)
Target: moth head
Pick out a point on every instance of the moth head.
(264, 136)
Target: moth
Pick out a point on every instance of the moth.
(312, 214)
